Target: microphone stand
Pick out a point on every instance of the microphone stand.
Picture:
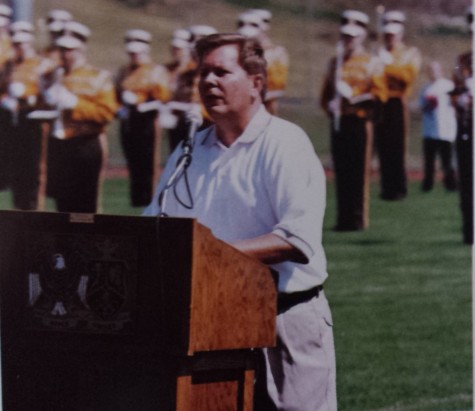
(183, 162)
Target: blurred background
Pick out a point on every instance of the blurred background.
(307, 28)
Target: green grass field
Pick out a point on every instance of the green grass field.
(401, 299)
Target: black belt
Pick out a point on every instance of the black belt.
(288, 300)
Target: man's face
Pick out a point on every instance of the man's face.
(70, 56)
(20, 49)
(225, 87)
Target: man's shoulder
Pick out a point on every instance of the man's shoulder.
(286, 129)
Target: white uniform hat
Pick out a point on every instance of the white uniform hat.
(179, 43)
(59, 15)
(182, 34)
(69, 42)
(202, 30)
(250, 24)
(22, 26)
(394, 16)
(138, 35)
(250, 18)
(354, 17)
(22, 37)
(78, 30)
(265, 15)
(6, 11)
(352, 30)
(56, 26)
(137, 47)
(393, 28)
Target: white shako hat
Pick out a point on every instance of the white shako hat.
(69, 42)
(179, 43)
(265, 14)
(250, 24)
(138, 35)
(77, 30)
(394, 16)
(6, 11)
(182, 34)
(22, 37)
(21, 26)
(201, 30)
(251, 18)
(58, 15)
(137, 47)
(352, 30)
(393, 28)
(354, 17)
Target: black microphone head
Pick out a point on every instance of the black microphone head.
(193, 116)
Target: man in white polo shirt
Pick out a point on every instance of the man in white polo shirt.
(256, 182)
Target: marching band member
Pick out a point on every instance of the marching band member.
(21, 136)
(139, 81)
(352, 87)
(85, 99)
(401, 67)
(255, 23)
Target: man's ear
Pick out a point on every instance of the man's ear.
(258, 84)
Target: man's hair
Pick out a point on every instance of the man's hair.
(251, 54)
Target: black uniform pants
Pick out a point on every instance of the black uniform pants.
(351, 148)
(74, 167)
(137, 136)
(464, 147)
(431, 148)
(22, 145)
(391, 147)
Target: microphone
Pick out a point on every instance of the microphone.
(194, 119)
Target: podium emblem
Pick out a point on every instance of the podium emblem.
(81, 283)
(107, 289)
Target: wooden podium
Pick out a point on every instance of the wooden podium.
(128, 313)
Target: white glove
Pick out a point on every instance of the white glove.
(129, 98)
(66, 99)
(167, 119)
(51, 95)
(10, 104)
(344, 89)
(334, 106)
(16, 89)
(385, 56)
(61, 97)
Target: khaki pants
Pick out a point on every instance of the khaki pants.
(301, 374)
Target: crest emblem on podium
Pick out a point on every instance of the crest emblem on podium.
(107, 289)
(79, 282)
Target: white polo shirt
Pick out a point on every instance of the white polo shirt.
(268, 181)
